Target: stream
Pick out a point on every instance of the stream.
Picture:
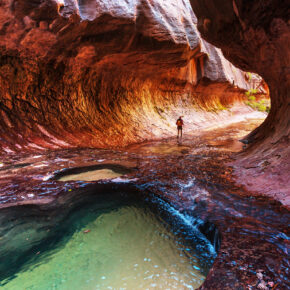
(164, 214)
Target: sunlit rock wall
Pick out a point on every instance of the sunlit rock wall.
(255, 36)
(105, 73)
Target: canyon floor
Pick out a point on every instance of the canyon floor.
(193, 175)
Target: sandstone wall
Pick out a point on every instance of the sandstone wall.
(255, 36)
(105, 73)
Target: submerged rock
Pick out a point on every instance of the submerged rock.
(249, 232)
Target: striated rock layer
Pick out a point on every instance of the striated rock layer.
(255, 36)
(105, 73)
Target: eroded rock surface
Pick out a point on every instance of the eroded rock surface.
(105, 73)
(191, 177)
(255, 36)
(108, 73)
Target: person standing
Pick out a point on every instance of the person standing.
(179, 124)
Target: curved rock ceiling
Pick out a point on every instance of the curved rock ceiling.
(255, 36)
(105, 73)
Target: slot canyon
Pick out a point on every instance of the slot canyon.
(90, 92)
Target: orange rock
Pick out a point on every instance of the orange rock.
(43, 25)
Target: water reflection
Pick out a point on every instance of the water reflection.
(192, 177)
(115, 244)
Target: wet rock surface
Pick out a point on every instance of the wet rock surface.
(104, 74)
(255, 36)
(253, 233)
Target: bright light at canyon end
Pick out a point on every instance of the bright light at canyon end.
(144, 144)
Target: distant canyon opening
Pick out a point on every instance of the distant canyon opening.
(83, 83)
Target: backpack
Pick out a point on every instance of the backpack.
(179, 122)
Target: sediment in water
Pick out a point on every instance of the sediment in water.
(40, 235)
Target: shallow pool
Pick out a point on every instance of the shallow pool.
(114, 245)
(92, 175)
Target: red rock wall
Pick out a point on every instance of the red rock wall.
(104, 73)
(255, 36)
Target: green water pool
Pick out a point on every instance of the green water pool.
(111, 247)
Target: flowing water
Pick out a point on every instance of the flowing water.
(113, 245)
(83, 234)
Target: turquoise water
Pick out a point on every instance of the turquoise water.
(111, 246)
